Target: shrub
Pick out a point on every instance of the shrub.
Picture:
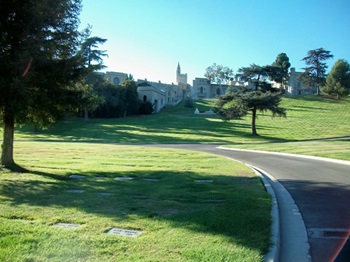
(146, 108)
(189, 102)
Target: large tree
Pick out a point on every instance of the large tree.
(338, 80)
(40, 65)
(128, 97)
(262, 97)
(315, 72)
(281, 66)
(218, 74)
(93, 61)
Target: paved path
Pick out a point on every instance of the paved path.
(320, 189)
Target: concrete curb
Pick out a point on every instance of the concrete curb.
(289, 238)
(273, 254)
(338, 161)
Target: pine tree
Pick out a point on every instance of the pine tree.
(40, 64)
(261, 98)
(338, 80)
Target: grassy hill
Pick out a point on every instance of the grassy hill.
(189, 206)
(311, 120)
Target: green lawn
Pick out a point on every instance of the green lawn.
(309, 119)
(183, 218)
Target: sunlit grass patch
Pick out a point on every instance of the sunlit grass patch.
(180, 218)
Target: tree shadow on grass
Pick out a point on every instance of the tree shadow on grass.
(165, 132)
(235, 207)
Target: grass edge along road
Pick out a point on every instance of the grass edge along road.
(190, 206)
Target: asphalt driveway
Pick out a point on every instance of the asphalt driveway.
(320, 189)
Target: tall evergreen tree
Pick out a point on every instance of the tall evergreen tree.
(40, 64)
(281, 66)
(315, 73)
(93, 61)
(338, 80)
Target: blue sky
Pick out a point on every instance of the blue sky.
(147, 38)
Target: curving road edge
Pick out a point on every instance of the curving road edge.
(291, 239)
(292, 231)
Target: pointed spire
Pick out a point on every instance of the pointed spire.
(178, 68)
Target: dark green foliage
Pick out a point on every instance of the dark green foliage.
(243, 100)
(128, 97)
(91, 55)
(118, 101)
(338, 80)
(40, 64)
(189, 102)
(281, 67)
(109, 96)
(315, 73)
(146, 108)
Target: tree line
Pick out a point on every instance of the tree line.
(238, 101)
(110, 101)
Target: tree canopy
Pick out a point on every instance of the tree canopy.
(261, 98)
(281, 65)
(218, 74)
(338, 80)
(40, 64)
(315, 73)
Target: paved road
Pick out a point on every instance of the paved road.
(320, 189)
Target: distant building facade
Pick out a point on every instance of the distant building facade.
(161, 94)
(295, 85)
(202, 88)
(115, 77)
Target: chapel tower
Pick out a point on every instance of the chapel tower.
(181, 80)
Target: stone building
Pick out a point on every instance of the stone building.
(116, 77)
(203, 89)
(159, 94)
(296, 87)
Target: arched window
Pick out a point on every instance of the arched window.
(144, 98)
(218, 91)
(116, 81)
(201, 89)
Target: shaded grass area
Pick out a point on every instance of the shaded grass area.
(181, 219)
(308, 117)
(310, 121)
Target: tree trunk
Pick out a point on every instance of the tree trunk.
(7, 142)
(86, 115)
(254, 133)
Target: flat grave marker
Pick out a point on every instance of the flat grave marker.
(123, 178)
(124, 232)
(75, 191)
(204, 181)
(66, 225)
(151, 179)
(76, 176)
